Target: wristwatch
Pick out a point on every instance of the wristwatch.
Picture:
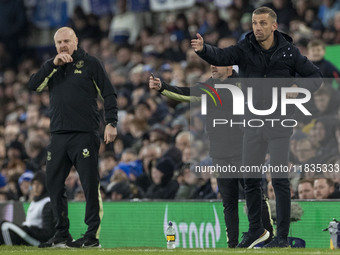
(113, 124)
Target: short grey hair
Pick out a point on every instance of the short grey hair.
(266, 10)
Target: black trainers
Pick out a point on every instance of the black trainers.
(250, 239)
(278, 242)
(57, 242)
(85, 242)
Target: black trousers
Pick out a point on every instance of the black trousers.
(81, 150)
(230, 189)
(255, 146)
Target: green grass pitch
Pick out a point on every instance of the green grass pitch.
(20, 250)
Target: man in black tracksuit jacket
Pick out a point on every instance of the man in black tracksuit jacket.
(225, 143)
(265, 53)
(75, 80)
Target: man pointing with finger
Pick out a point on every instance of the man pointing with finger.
(75, 80)
(264, 53)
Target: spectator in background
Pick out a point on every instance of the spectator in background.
(316, 54)
(163, 187)
(183, 140)
(337, 135)
(296, 136)
(13, 189)
(180, 30)
(36, 152)
(305, 189)
(106, 164)
(336, 25)
(327, 11)
(120, 191)
(329, 35)
(306, 155)
(166, 72)
(305, 151)
(15, 150)
(214, 22)
(128, 155)
(11, 133)
(326, 101)
(317, 29)
(79, 195)
(125, 26)
(2, 150)
(12, 27)
(32, 115)
(135, 77)
(3, 196)
(81, 25)
(123, 62)
(148, 154)
(24, 184)
(324, 189)
(187, 183)
(3, 183)
(245, 26)
(39, 224)
(284, 10)
(132, 169)
(72, 182)
(324, 129)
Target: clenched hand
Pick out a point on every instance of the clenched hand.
(62, 59)
(155, 83)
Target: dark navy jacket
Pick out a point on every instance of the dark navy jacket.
(285, 62)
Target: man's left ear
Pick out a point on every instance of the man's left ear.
(275, 26)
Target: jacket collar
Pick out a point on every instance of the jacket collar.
(78, 54)
(282, 39)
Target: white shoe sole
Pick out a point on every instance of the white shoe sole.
(60, 245)
(262, 238)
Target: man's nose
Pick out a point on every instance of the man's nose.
(256, 27)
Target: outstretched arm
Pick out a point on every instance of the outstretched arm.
(183, 94)
(216, 56)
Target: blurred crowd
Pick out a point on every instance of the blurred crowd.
(153, 155)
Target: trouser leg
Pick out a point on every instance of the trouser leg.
(254, 151)
(57, 169)
(278, 149)
(229, 192)
(84, 153)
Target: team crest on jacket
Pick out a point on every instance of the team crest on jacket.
(86, 153)
(80, 64)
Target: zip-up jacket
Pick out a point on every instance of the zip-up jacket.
(225, 140)
(73, 89)
(284, 62)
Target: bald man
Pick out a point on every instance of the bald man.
(75, 80)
